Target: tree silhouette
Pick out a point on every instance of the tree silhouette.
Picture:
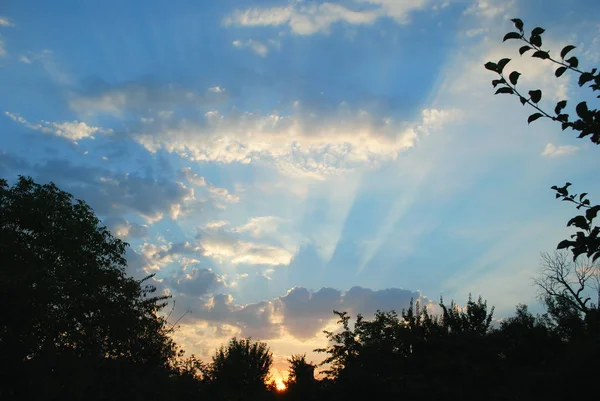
(240, 370)
(72, 314)
(301, 383)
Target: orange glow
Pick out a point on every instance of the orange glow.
(279, 384)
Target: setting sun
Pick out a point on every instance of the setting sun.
(279, 384)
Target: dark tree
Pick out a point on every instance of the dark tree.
(72, 316)
(240, 370)
(301, 383)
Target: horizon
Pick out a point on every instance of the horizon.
(274, 162)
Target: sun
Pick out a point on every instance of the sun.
(279, 384)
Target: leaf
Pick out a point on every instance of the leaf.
(537, 31)
(566, 50)
(573, 62)
(511, 35)
(582, 109)
(559, 106)
(541, 54)
(585, 78)
(523, 100)
(536, 40)
(518, 23)
(564, 244)
(524, 49)
(592, 212)
(504, 90)
(582, 196)
(497, 82)
(564, 118)
(534, 117)
(501, 64)
(535, 95)
(559, 71)
(579, 222)
(491, 66)
(514, 77)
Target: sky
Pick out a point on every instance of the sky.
(271, 161)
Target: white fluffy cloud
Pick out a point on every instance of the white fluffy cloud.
(552, 150)
(218, 195)
(232, 244)
(301, 145)
(73, 130)
(307, 19)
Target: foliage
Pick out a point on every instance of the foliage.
(586, 123)
(301, 383)
(240, 370)
(69, 301)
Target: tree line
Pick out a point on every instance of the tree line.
(75, 326)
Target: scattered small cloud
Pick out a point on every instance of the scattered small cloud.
(489, 8)
(5, 22)
(254, 45)
(192, 177)
(72, 130)
(552, 150)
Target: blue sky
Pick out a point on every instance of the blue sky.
(274, 160)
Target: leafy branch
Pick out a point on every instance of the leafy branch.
(588, 122)
(587, 239)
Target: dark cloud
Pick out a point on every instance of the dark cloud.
(305, 313)
(301, 312)
(255, 320)
(195, 282)
(10, 163)
(113, 194)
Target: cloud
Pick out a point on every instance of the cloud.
(489, 8)
(222, 194)
(252, 320)
(301, 313)
(254, 45)
(115, 194)
(192, 177)
(308, 19)
(305, 314)
(195, 281)
(124, 229)
(552, 150)
(216, 194)
(259, 226)
(140, 98)
(225, 244)
(5, 22)
(245, 252)
(31, 57)
(305, 145)
(72, 130)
